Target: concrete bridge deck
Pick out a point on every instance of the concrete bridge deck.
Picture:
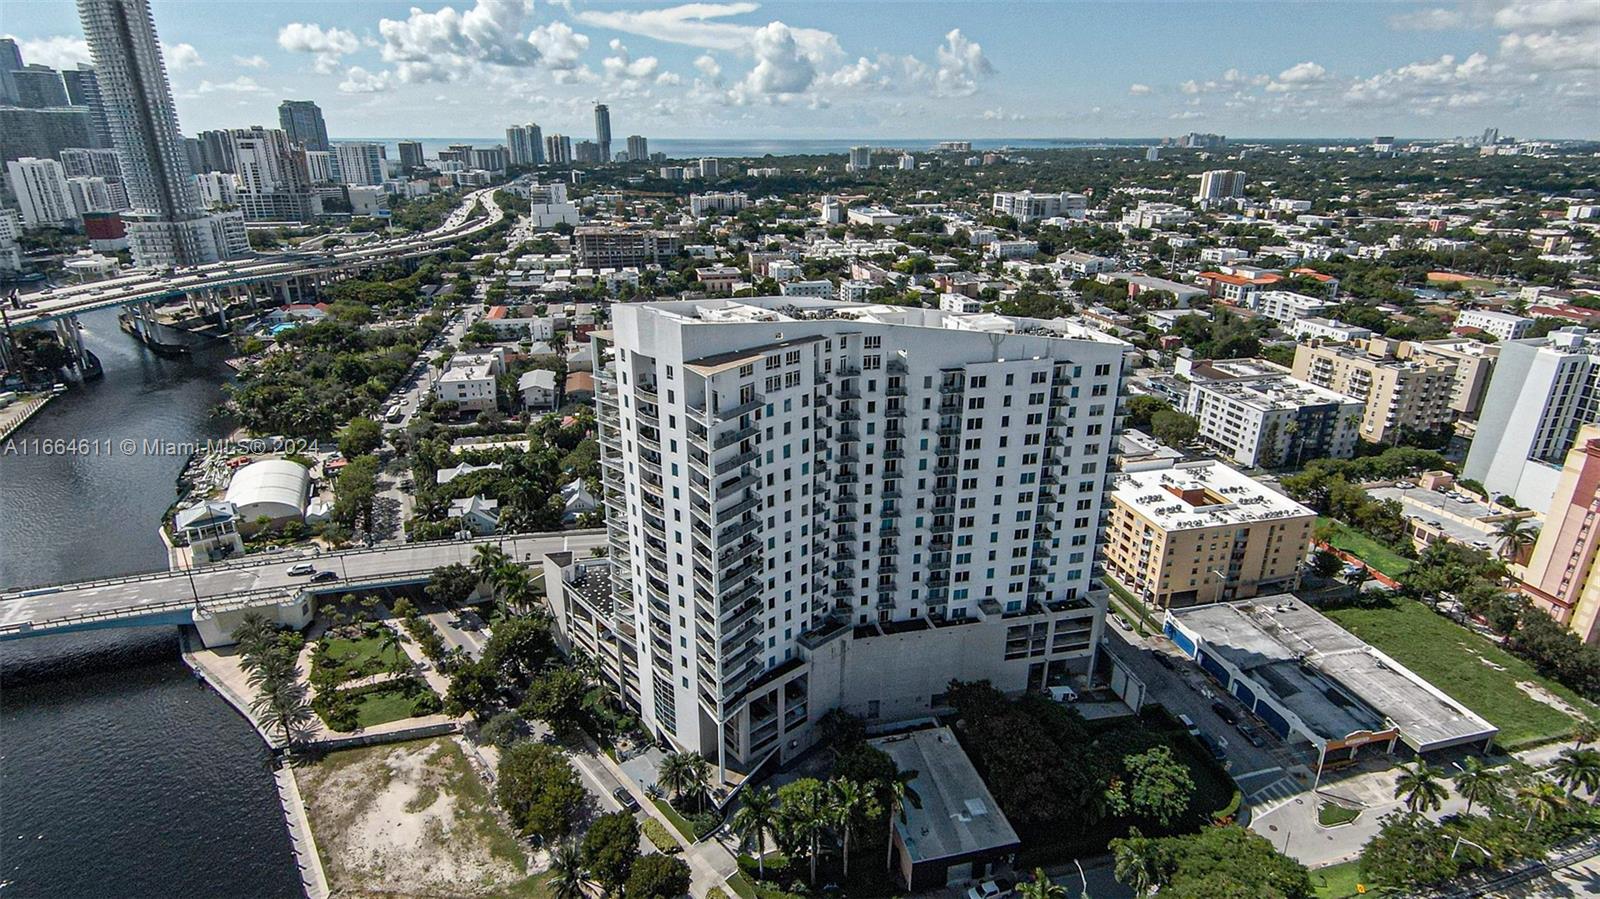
(173, 597)
(152, 287)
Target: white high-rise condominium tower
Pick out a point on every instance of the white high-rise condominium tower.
(525, 144)
(817, 505)
(42, 192)
(168, 225)
(1221, 184)
(1543, 390)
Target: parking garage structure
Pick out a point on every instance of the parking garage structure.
(1313, 682)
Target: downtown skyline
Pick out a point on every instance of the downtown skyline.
(877, 72)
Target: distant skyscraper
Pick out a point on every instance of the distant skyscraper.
(216, 151)
(42, 192)
(168, 225)
(558, 149)
(586, 151)
(10, 60)
(1221, 184)
(860, 158)
(359, 163)
(79, 162)
(709, 168)
(525, 144)
(602, 130)
(274, 182)
(39, 86)
(638, 148)
(84, 90)
(302, 121)
(411, 154)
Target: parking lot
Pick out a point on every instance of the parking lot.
(1268, 774)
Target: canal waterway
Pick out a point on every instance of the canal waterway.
(120, 774)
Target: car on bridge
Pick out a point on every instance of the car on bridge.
(324, 575)
(302, 569)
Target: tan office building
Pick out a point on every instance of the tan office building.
(1400, 394)
(1202, 532)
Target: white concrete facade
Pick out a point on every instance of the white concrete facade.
(817, 504)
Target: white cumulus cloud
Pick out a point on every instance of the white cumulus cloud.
(560, 46)
(57, 51)
(182, 56)
(326, 45)
(1138, 89)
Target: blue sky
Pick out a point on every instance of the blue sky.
(849, 68)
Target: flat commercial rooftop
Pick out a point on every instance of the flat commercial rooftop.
(1296, 652)
(1204, 494)
(958, 815)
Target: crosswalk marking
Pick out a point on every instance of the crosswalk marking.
(1274, 794)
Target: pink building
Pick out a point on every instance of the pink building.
(1560, 575)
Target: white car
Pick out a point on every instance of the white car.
(301, 569)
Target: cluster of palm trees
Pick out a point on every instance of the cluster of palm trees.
(282, 705)
(1422, 787)
(803, 815)
(685, 774)
(512, 585)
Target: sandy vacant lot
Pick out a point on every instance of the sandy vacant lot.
(411, 820)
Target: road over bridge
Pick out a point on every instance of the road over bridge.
(208, 594)
(221, 277)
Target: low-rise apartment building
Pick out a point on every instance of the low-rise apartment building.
(1503, 325)
(1202, 532)
(1259, 416)
(1400, 394)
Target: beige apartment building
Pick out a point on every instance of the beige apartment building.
(1473, 362)
(1413, 394)
(1202, 532)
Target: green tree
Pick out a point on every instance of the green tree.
(610, 848)
(451, 584)
(1041, 887)
(1158, 786)
(754, 821)
(901, 794)
(1477, 782)
(521, 648)
(803, 815)
(539, 790)
(1421, 787)
(1216, 861)
(1174, 428)
(1516, 535)
(657, 877)
(556, 698)
(567, 876)
(474, 688)
(1543, 800)
(354, 491)
(1578, 769)
(359, 437)
(848, 801)
(1138, 864)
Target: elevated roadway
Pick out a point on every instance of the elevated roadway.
(154, 287)
(183, 597)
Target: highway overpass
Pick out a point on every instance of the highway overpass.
(213, 597)
(153, 287)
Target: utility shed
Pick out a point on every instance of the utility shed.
(959, 833)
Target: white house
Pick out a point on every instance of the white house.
(479, 516)
(538, 389)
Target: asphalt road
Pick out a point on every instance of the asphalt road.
(41, 606)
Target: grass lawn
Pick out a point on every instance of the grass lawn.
(1339, 881)
(383, 706)
(684, 828)
(1330, 814)
(1363, 547)
(364, 654)
(1468, 666)
(742, 886)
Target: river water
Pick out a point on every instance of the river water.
(120, 774)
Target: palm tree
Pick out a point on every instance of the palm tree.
(900, 793)
(1578, 769)
(806, 818)
(1419, 786)
(1585, 731)
(1542, 800)
(567, 880)
(1477, 782)
(699, 777)
(283, 708)
(847, 800)
(486, 559)
(1136, 865)
(1041, 887)
(756, 818)
(1516, 535)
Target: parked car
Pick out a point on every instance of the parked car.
(1189, 725)
(1217, 746)
(302, 569)
(1250, 734)
(1225, 713)
(625, 799)
(988, 889)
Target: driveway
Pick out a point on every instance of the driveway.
(1267, 775)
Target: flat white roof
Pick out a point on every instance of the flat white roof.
(1201, 495)
(958, 815)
